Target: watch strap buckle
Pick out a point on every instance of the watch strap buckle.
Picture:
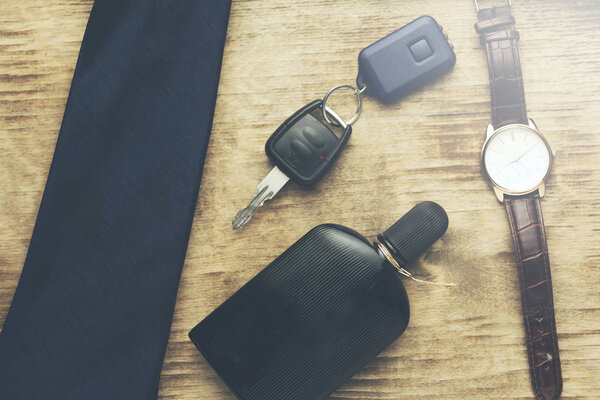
(477, 4)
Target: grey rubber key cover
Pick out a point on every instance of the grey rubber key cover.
(405, 60)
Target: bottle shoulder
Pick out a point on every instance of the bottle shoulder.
(340, 230)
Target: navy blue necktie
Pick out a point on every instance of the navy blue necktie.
(91, 315)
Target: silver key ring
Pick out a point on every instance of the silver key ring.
(356, 91)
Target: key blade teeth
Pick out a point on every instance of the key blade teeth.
(241, 219)
(243, 216)
(267, 189)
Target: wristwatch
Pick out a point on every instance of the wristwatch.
(516, 160)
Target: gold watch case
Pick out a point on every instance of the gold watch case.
(501, 191)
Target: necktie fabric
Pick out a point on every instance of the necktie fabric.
(91, 315)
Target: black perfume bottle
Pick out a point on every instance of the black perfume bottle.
(313, 317)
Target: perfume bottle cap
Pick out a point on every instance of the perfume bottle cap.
(416, 231)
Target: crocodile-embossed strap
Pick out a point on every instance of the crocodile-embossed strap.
(496, 27)
(529, 237)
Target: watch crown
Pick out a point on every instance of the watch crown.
(553, 153)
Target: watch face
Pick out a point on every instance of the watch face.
(517, 158)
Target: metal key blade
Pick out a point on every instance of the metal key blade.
(267, 189)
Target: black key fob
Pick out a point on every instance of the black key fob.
(405, 60)
(304, 147)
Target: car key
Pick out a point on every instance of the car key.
(303, 149)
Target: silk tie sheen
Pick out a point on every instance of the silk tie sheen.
(91, 315)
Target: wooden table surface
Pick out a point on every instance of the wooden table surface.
(462, 343)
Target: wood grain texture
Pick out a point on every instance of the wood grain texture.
(462, 343)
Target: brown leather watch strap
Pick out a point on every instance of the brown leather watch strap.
(497, 32)
(529, 237)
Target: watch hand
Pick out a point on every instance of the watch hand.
(521, 156)
(531, 148)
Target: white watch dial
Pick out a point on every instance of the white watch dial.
(517, 158)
